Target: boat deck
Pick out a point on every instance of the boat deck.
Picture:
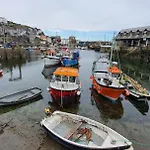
(63, 128)
(99, 77)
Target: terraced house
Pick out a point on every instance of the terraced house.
(134, 37)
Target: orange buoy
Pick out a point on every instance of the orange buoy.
(127, 93)
(91, 77)
(99, 92)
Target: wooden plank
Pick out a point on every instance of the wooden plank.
(73, 130)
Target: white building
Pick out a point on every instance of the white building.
(43, 42)
(64, 41)
(49, 40)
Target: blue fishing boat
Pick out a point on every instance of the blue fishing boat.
(72, 60)
(76, 54)
(68, 62)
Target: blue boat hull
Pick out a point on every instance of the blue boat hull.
(69, 62)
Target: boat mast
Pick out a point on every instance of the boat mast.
(112, 48)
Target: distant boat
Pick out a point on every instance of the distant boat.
(103, 60)
(51, 58)
(72, 60)
(65, 86)
(81, 133)
(20, 97)
(97, 49)
(69, 62)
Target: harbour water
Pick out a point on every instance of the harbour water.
(128, 117)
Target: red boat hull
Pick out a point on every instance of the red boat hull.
(1, 72)
(112, 93)
(68, 97)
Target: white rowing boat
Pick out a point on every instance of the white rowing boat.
(78, 132)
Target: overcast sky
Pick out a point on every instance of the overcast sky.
(80, 15)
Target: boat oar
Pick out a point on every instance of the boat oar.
(5, 125)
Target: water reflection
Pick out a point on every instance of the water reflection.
(1, 76)
(108, 109)
(141, 106)
(4, 109)
(12, 78)
(12, 66)
(48, 72)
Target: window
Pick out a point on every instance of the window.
(65, 78)
(115, 75)
(58, 78)
(72, 79)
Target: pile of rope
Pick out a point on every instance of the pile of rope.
(84, 131)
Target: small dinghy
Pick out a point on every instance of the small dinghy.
(77, 132)
(136, 91)
(20, 97)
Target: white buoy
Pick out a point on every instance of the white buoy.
(78, 93)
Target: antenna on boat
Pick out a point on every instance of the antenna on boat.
(61, 97)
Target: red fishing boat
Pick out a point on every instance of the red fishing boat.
(65, 86)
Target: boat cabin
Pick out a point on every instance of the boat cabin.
(66, 74)
(114, 71)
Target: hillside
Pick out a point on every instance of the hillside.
(20, 34)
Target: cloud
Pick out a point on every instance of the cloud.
(78, 15)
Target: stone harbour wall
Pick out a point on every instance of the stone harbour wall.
(6, 54)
